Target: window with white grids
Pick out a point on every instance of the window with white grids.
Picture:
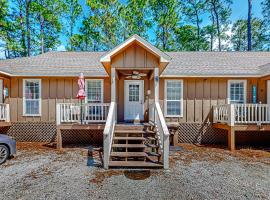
(32, 97)
(237, 91)
(173, 102)
(94, 91)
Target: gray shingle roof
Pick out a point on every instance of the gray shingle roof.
(181, 64)
(56, 64)
(218, 64)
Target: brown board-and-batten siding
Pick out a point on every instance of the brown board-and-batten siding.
(199, 97)
(53, 90)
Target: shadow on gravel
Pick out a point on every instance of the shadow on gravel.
(137, 174)
(94, 158)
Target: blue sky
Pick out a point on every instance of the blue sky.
(239, 10)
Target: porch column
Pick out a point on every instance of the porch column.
(231, 138)
(113, 85)
(156, 80)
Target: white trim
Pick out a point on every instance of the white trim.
(229, 89)
(126, 96)
(40, 98)
(268, 92)
(210, 76)
(181, 98)
(102, 89)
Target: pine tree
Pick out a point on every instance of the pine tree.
(165, 18)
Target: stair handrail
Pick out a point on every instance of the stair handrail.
(163, 134)
(108, 134)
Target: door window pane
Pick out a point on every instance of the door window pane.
(134, 93)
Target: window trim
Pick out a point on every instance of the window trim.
(229, 88)
(181, 99)
(24, 99)
(102, 89)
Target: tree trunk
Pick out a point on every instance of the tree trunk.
(249, 25)
(198, 30)
(42, 33)
(22, 28)
(27, 8)
(212, 31)
(218, 26)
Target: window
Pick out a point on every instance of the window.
(94, 91)
(237, 91)
(173, 98)
(134, 93)
(32, 97)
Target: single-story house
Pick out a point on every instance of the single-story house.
(198, 97)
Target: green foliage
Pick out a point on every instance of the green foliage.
(266, 21)
(166, 16)
(239, 35)
(72, 12)
(187, 39)
(31, 27)
(135, 18)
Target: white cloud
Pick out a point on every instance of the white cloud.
(61, 48)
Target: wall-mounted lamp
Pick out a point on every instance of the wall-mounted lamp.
(148, 92)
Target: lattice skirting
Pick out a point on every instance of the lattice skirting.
(206, 134)
(46, 132)
(200, 134)
(33, 131)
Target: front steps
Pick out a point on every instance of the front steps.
(135, 146)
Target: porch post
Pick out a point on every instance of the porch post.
(231, 138)
(113, 85)
(156, 80)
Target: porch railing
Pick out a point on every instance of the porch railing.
(85, 113)
(242, 114)
(108, 134)
(156, 116)
(4, 112)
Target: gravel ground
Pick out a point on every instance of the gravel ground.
(40, 172)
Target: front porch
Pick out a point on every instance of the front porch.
(241, 117)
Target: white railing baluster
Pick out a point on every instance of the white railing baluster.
(71, 112)
(4, 112)
(243, 114)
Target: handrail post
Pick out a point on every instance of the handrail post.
(231, 114)
(260, 115)
(58, 114)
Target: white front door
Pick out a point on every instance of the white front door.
(134, 100)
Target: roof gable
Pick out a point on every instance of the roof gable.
(135, 38)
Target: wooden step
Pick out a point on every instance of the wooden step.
(153, 154)
(152, 145)
(133, 131)
(134, 164)
(149, 124)
(128, 154)
(129, 138)
(129, 145)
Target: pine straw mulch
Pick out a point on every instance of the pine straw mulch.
(217, 153)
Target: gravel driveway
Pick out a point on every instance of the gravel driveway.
(40, 172)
